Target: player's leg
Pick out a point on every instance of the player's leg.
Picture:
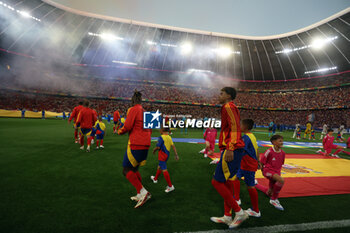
(131, 162)
(101, 145)
(249, 179)
(218, 182)
(211, 147)
(76, 135)
(341, 149)
(89, 139)
(155, 178)
(163, 168)
(237, 186)
(207, 146)
(279, 182)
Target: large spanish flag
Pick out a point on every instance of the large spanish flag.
(312, 175)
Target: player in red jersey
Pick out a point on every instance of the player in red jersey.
(116, 117)
(210, 138)
(272, 162)
(231, 146)
(328, 146)
(93, 132)
(249, 165)
(74, 116)
(86, 120)
(137, 149)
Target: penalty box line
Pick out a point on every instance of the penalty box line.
(289, 227)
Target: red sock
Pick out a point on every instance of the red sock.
(97, 143)
(81, 141)
(226, 194)
(138, 176)
(271, 183)
(346, 152)
(236, 189)
(132, 177)
(229, 185)
(322, 153)
(167, 178)
(262, 188)
(276, 190)
(89, 141)
(254, 199)
(157, 174)
(337, 151)
(101, 142)
(113, 128)
(76, 135)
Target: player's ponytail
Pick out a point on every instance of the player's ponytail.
(136, 98)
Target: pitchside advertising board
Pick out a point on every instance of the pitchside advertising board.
(156, 120)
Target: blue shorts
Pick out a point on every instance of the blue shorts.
(115, 122)
(225, 171)
(86, 132)
(249, 177)
(134, 158)
(100, 136)
(162, 165)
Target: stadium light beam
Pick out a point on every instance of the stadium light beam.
(321, 70)
(317, 44)
(125, 63)
(186, 48)
(198, 71)
(25, 14)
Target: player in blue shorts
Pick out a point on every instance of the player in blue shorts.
(231, 146)
(249, 166)
(163, 146)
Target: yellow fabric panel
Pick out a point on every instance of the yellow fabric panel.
(315, 168)
(29, 114)
(168, 142)
(10, 113)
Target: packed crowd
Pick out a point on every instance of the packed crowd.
(93, 87)
(33, 102)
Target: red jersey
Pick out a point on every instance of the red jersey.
(95, 113)
(139, 138)
(230, 136)
(210, 135)
(273, 160)
(86, 118)
(328, 142)
(116, 116)
(250, 158)
(75, 113)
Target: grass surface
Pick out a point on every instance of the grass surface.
(49, 185)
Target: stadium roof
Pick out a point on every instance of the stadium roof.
(39, 29)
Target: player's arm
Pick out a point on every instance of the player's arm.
(129, 122)
(263, 158)
(159, 144)
(174, 149)
(232, 117)
(156, 149)
(72, 115)
(79, 119)
(176, 155)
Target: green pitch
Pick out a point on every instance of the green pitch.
(48, 185)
